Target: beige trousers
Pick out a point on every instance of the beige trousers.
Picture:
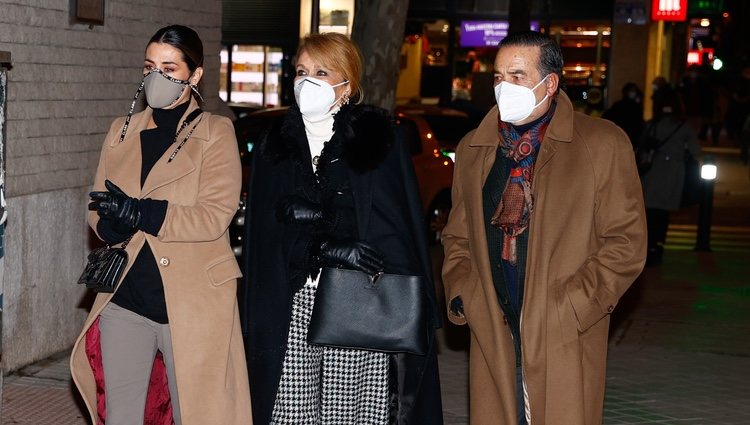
(129, 342)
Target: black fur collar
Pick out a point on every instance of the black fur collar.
(364, 132)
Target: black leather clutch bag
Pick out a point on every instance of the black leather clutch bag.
(104, 268)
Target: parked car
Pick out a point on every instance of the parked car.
(448, 125)
(242, 110)
(433, 168)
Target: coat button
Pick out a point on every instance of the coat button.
(610, 309)
(164, 261)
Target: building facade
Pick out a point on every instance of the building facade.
(68, 81)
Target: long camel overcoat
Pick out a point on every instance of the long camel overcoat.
(197, 265)
(587, 244)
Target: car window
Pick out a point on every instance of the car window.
(449, 129)
(249, 130)
(408, 130)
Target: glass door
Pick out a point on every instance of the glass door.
(250, 74)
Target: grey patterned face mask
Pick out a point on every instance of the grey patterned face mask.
(161, 89)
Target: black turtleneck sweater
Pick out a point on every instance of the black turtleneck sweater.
(142, 290)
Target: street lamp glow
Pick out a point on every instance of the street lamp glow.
(717, 64)
(708, 171)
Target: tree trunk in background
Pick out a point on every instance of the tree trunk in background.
(379, 32)
(519, 16)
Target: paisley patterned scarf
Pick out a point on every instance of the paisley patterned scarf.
(516, 204)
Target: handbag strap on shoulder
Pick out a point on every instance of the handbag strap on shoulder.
(672, 133)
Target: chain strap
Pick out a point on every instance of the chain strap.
(187, 122)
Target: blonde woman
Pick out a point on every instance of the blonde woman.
(332, 186)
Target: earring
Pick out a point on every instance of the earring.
(345, 99)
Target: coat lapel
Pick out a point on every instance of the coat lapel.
(487, 138)
(124, 158)
(165, 172)
(560, 130)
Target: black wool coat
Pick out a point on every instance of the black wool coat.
(389, 217)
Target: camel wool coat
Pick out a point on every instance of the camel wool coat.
(587, 243)
(197, 265)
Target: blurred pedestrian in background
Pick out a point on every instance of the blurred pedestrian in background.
(332, 186)
(547, 231)
(658, 87)
(738, 108)
(627, 112)
(662, 183)
(168, 181)
(702, 104)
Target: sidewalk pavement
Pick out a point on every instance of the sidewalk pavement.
(679, 354)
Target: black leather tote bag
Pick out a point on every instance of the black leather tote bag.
(385, 313)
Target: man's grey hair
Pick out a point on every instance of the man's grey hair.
(550, 55)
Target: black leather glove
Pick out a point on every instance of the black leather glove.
(295, 209)
(351, 254)
(115, 205)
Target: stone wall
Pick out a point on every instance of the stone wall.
(68, 82)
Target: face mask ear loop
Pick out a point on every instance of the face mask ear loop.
(194, 88)
(343, 99)
(130, 111)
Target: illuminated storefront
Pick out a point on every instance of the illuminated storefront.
(256, 69)
(455, 46)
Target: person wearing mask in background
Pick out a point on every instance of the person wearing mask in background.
(659, 86)
(168, 181)
(627, 112)
(662, 183)
(331, 187)
(547, 231)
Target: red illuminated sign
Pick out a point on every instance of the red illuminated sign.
(696, 56)
(668, 10)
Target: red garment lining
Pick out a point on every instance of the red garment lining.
(158, 405)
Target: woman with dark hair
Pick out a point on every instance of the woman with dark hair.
(662, 183)
(166, 346)
(332, 186)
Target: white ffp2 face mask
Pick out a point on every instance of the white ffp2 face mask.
(516, 102)
(315, 97)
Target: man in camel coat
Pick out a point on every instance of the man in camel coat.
(546, 233)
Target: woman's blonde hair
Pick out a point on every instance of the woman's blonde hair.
(336, 52)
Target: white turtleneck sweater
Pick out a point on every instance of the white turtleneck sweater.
(319, 130)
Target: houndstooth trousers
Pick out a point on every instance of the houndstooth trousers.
(328, 386)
